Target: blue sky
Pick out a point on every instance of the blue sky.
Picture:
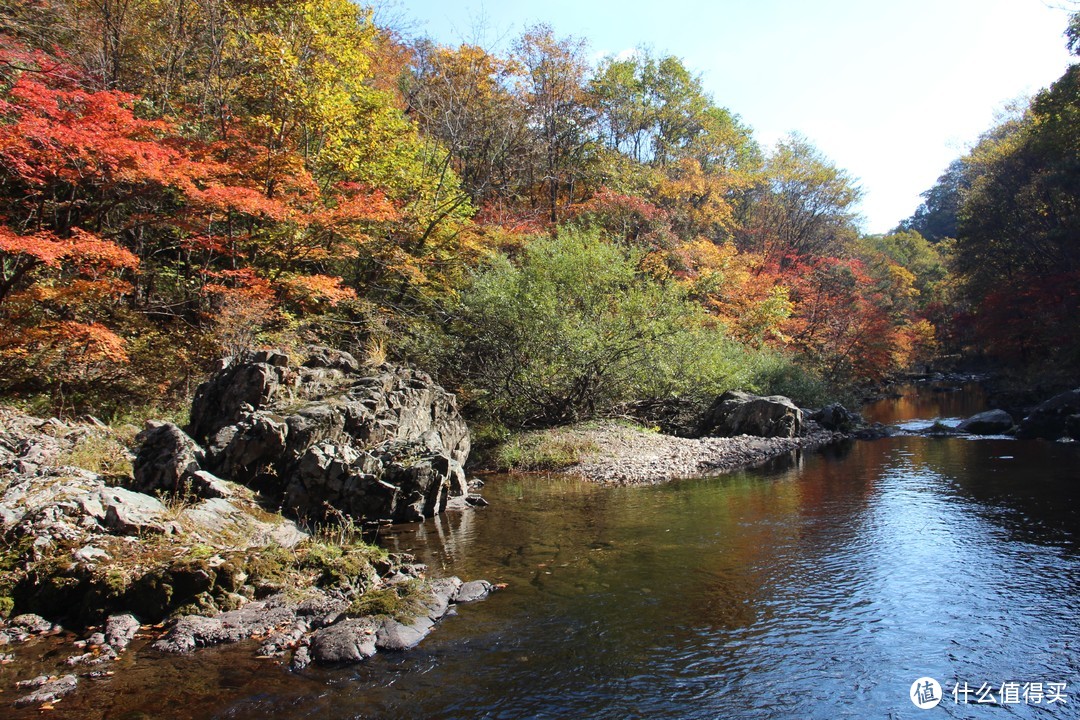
(890, 91)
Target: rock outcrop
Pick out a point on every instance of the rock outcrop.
(325, 436)
(741, 413)
(1058, 417)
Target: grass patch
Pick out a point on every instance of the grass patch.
(542, 450)
(100, 454)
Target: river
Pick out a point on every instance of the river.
(821, 586)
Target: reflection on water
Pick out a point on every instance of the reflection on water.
(818, 591)
(949, 403)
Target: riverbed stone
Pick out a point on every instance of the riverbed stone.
(48, 690)
(120, 630)
(348, 641)
(836, 417)
(991, 422)
(473, 591)
(395, 635)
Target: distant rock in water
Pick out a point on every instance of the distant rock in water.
(837, 418)
(326, 436)
(741, 413)
(1058, 417)
(991, 422)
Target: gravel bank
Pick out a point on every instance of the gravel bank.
(625, 455)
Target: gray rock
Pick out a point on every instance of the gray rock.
(301, 658)
(836, 417)
(31, 623)
(394, 635)
(209, 486)
(237, 390)
(1051, 419)
(192, 631)
(120, 630)
(131, 513)
(242, 451)
(991, 422)
(324, 357)
(49, 691)
(166, 459)
(741, 413)
(441, 592)
(386, 446)
(348, 641)
(473, 590)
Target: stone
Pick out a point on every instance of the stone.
(991, 422)
(836, 417)
(441, 592)
(473, 590)
(120, 630)
(397, 636)
(256, 618)
(131, 513)
(1051, 419)
(740, 413)
(238, 389)
(348, 641)
(48, 691)
(31, 623)
(324, 357)
(167, 457)
(326, 437)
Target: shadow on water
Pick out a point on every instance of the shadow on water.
(820, 586)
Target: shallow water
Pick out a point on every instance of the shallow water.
(821, 587)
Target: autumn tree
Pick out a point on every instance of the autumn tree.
(804, 208)
(554, 75)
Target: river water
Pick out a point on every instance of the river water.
(822, 586)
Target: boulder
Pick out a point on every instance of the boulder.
(473, 590)
(991, 422)
(741, 413)
(120, 630)
(166, 460)
(325, 437)
(235, 391)
(1051, 419)
(348, 641)
(395, 635)
(324, 357)
(836, 417)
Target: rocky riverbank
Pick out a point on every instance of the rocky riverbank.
(105, 533)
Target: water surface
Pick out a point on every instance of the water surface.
(821, 587)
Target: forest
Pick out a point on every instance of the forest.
(553, 238)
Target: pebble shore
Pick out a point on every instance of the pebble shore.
(628, 455)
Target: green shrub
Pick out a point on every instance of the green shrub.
(574, 328)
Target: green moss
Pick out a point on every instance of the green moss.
(402, 601)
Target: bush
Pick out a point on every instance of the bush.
(575, 328)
